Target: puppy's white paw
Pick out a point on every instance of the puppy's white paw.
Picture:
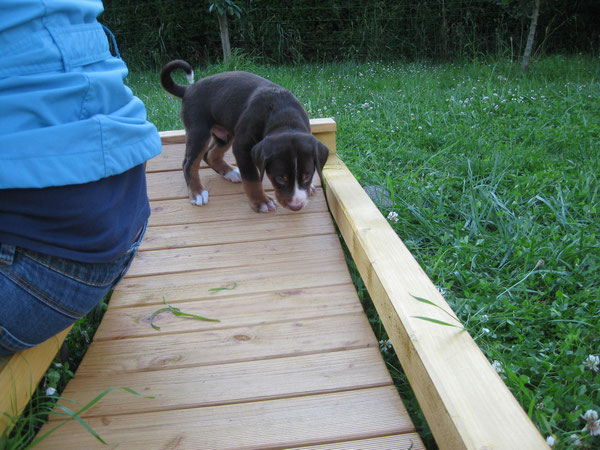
(266, 207)
(200, 199)
(234, 176)
(312, 189)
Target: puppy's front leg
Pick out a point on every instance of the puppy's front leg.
(260, 202)
(246, 138)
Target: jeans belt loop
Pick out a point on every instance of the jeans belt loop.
(7, 254)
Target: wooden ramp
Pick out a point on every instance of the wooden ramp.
(292, 363)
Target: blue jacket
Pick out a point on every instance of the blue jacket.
(65, 115)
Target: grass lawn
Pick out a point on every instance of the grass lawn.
(493, 176)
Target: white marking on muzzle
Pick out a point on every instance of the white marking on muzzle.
(299, 199)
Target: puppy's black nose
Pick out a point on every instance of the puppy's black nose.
(295, 207)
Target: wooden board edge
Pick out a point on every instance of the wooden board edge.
(465, 402)
(21, 375)
(172, 137)
(323, 128)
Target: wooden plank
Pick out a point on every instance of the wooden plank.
(244, 254)
(171, 158)
(230, 231)
(21, 374)
(226, 207)
(464, 400)
(270, 277)
(298, 421)
(172, 137)
(239, 310)
(232, 383)
(228, 345)
(408, 441)
(170, 185)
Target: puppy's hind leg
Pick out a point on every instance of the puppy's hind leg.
(221, 141)
(195, 147)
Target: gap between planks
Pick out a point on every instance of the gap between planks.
(238, 382)
(292, 422)
(220, 346)
(231, 231)
(244, 255)
(269, 277)
(232, 311)
(225, 207)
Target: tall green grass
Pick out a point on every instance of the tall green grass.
(494, 176)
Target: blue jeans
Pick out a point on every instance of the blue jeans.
(41, 295)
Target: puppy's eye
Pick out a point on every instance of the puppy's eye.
(306, 178)
(281, 180)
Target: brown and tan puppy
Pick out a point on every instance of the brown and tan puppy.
(263, 122)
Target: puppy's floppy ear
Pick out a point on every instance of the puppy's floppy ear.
(261, 153)
(321, 154)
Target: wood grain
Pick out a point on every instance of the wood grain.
(261, 228)
(243, 255)
(197, 285)
(232, 383)
(233, 310)
(227, 207)
(281, 423)
(227, 345)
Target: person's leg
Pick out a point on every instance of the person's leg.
(41, 295)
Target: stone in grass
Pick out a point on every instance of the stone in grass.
(380, 196)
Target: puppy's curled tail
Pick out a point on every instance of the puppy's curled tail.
(178, 90)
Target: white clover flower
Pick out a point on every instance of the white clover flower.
(50, 391)
(550, 441)
(575, 441)
(484, 318)
(385, 346)
(593, 424)
(592, 362)
(497, 365)
(392, 216)
(486, 330)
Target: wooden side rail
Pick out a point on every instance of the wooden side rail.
(465, 402)
(323, 129)
(20, 374)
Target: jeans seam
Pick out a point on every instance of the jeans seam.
(40, 295)
(10, 347)
(57, 270)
